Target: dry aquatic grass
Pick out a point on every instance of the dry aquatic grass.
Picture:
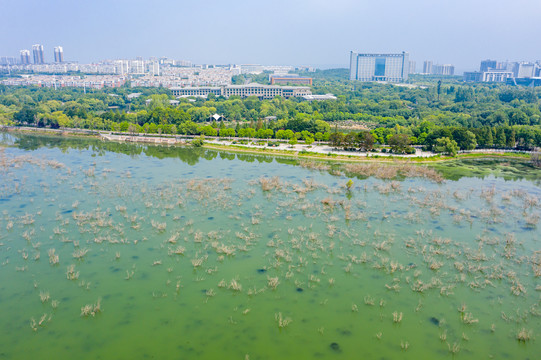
(41, 323)
(235, 285)
(268, 184)
(523, 335)
(282, 321)
(80, 253)
(44, 296)
(397, 317)
(158, 225)
(385, 171)
(454, 349)
(54, 259)
(467, 318)
(272, 282)
(315, 165)
(91, 309)
(71, 274)
(404, 345)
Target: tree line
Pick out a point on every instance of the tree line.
(450, 115)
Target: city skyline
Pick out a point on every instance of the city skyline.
(261, 33)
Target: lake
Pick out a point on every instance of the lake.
(137, 251)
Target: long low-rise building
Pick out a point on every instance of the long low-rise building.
(289, 79)
(261, 91)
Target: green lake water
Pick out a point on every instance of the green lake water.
(185, 253)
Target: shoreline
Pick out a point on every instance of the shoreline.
(338, 156)
(365, 159)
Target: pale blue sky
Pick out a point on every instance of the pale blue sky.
(310, 32)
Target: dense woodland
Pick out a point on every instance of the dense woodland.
(442, 114)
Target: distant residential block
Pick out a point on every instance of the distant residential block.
(445, 69)
(58, 54)
(413, 67)
(37, 52)
(427, 67)
(25, 57)
(8, 60)
(488, 65)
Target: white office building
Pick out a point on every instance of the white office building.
(526, 70)
(495, 75)
(261, 91)
(379, 67)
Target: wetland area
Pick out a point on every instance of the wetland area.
(129, 251)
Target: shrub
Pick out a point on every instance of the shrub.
(197, 142)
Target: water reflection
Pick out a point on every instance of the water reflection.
(452, 170)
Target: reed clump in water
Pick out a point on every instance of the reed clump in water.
(397, 317)
(384, 171)
(268, 184)
(235, 285)
(158, 225)
(54, 259)
(44, 296)
(315, 165)
(404, 345)
(91, 309)
(71, 274)
(454, 349)
(523, 335)
(273, 282)
(80, 253)
(282, 321)
(467, 318)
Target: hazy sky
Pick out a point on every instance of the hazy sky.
(298, 32)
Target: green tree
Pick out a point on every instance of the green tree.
(500, 139)
(227, 132)
(511, 138)
(336, 139)
(365, 140)
(446, 146)
(465, 139)
(399, 143)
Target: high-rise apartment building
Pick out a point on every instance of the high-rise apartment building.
(25, 57)
(58, 54)
(413, 67)
(8, 60)
(445, 69)
(37, 51)
(487, 65)
(427, 67)
(379, 67)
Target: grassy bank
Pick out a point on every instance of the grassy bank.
(371, 158)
